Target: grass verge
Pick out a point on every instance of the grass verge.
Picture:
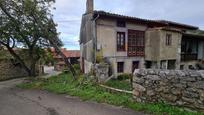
(86, 90)
(119, 84)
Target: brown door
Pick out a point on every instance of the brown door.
(82, 65)
(135, 65)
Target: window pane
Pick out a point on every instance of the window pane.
(120, 41)
(136, 43)
(168, 39)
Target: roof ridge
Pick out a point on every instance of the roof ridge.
(164, 22)
(102, 11)
(174, 22)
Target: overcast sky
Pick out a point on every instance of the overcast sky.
(68, 13)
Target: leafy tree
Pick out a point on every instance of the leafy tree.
(28, 24)
(48, 57)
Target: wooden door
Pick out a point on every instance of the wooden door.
(135, 65)
(82, 65)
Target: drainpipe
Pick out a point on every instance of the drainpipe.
(95, 38)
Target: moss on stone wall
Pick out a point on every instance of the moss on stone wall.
(10, 70)
(5, 55)
(175, 87)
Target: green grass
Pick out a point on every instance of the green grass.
(124, 84)
(87, 90)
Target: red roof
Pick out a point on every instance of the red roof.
(72, 53)
(67, 53)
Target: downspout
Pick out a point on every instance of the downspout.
(95, 38)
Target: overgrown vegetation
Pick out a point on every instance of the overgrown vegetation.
(47, 57)
(77, 68)
(123, 82)
(99, 56)
(120, 84)
(124, 76)
(27, 24)
(87, 90)
(5, 55)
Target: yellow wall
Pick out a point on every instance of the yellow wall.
(106, 36)
(156, 48)
(106, 40)
(152, 42)
(169, 52)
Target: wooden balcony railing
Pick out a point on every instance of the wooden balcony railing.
(136, 51)
(189, 57)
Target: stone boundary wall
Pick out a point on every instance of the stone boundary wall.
(175, 87)
(9, 70)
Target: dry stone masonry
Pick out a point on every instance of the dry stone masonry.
(9, 70)
(102, 72)
(176, 87)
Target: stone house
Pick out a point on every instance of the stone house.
(72, 55)
(129, 42)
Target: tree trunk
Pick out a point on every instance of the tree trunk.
(33, 61)
(69, 65)
(33, 68)
(20, 60)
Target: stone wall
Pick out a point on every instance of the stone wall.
(102, 72)
(175, 87)
(9, 70)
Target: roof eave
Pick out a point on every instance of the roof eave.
(193, 35)
(133, 19)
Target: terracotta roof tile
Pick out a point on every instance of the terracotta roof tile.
(178, 24)
(67, 53)
(72, 53)
(103, 13)
(146, 21)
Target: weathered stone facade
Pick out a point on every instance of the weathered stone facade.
(102, 72)
(107, 31)
(156, 44)
(176, 87)
(9, 70)
(158, 52)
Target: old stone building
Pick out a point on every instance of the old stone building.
(72, 55)
(128, 42)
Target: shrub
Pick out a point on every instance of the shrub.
(99, 57)
(124, 76)
(76, 66)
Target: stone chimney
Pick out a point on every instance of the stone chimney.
(89, 6)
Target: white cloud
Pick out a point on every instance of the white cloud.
(68, 13)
